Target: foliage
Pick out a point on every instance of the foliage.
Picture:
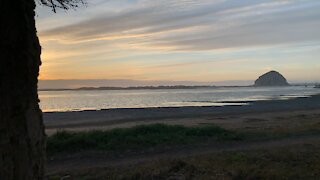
(131, 138)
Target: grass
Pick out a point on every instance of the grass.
(145, 136)
(292, 162)
(134, 138)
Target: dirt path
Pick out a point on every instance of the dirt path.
(88, 160)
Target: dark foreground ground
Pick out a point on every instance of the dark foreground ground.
(281, 142)
(295, 160)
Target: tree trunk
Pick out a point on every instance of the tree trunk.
(22, 149)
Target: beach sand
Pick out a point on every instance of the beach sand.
(260, 114)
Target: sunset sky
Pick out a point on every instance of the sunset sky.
(182, 40)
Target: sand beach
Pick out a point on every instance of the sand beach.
(259, 113)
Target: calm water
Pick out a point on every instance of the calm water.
(88, 100)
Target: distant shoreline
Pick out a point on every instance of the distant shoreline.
(137, 88)
(158, 87)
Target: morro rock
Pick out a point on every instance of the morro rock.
(272, 78)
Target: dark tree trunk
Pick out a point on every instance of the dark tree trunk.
(22, 149)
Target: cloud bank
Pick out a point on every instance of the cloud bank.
(150, 37)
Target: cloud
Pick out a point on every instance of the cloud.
(199, 25)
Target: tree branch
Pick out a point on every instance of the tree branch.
(61, 4)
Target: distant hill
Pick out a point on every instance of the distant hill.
(74, 84)
(130, 88)
(141, 88)
(272, 78)
(79, 83)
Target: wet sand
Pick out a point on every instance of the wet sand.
(260, 114)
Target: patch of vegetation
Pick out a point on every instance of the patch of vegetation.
(291, 162)
(137, 137)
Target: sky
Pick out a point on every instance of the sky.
(181, 40)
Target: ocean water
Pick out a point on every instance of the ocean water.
(59, 101)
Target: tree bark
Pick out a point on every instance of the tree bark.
(22, 150)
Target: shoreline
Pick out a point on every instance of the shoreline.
(128, 117)
(107, 88)
(232, 103)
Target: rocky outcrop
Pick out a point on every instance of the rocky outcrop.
(272, 78)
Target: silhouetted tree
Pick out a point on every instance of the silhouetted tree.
(63, 4)
(22, 139)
